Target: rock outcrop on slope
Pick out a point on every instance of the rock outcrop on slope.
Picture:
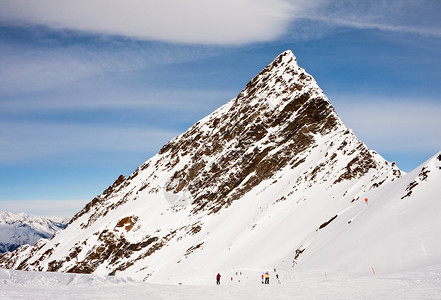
(248, 186)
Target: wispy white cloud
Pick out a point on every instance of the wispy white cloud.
(393, 125)
(164, 100)
(39, 70)
(28, 68)
(225, 22)
(407, 16)
(23, 141)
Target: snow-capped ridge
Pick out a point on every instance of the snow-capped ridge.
(20, 229)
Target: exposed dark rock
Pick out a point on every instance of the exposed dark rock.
(127, 223)
(192, 249)
(358, 166)
(327, 222)
(424, 174)
(297, 254)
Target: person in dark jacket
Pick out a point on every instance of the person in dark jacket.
(218, 277)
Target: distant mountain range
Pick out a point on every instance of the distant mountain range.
(20, 229)
(271, 180)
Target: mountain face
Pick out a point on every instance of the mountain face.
(21, 229)
(249, 186)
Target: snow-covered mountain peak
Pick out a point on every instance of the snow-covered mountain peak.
(275, 121)
(286, 58)
(278, 83)
(8, 217)
(20, 229)
(274, 162)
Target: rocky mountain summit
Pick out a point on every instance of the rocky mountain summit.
(249, 186)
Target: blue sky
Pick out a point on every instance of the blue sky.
(92, 89)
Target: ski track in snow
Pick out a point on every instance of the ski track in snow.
(423, 283)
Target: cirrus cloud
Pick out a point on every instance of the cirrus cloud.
(24, 141)
(406, 16)
(392, 124)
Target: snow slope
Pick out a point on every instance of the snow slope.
(269, 180)
(20, 229)
(419, 284)
(398, 230)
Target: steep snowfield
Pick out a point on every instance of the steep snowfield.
(423, 283)
(398, 230)
(21, 229)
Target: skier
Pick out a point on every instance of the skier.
(262, 278)
(366, 200)
(218, 277)
(266, 278)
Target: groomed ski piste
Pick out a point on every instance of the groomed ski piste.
(423, 283)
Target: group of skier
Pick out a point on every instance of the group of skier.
(265, 277)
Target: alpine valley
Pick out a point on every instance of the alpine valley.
(271, 180)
